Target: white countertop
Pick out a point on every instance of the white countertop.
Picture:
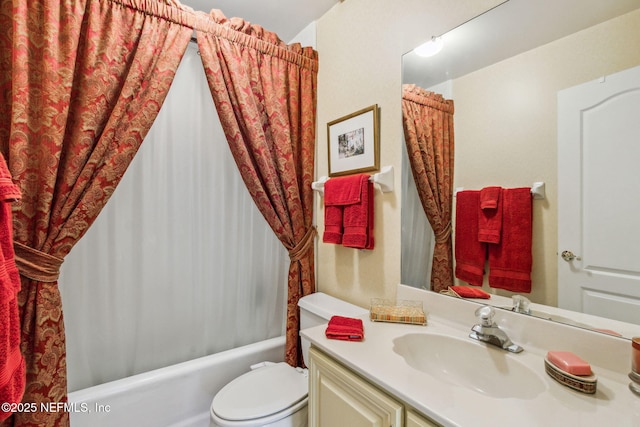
(453, 405)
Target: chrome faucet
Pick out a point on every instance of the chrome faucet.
(488, 331)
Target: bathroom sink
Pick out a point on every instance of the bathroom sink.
(470, 364)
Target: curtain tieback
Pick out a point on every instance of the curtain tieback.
(303, 245)
(444, 234)
(36, 265)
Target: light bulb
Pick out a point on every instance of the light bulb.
(430, 47)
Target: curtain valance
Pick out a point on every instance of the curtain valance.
(241, 32)
(426, 98)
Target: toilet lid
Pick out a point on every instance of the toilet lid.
(261, 392)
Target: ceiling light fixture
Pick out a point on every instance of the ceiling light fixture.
(429, 48)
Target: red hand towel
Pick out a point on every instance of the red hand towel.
(338, 193)
(489, 197)
(490, 215)
(470, 253)
(345, 328)
(12, 367)
(467, 292)
(510, 262)
(358, 218)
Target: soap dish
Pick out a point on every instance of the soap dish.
(400, 311)
(584, 384)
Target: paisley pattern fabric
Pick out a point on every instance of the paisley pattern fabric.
(81, 82)
(265, 94)
(428, 132)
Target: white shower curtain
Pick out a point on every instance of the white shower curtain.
(180, 263)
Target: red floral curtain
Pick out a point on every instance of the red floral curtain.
(428, 132)
(80, 85)
(265, 94)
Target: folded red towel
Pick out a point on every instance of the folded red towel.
(338, 193)
(490, 215)
(12, 366)
(358, 218)
(9, 276)
(489, 197)
(345, 328)
(469, 252)
(511, 260)
(332, 225)
(467, 292)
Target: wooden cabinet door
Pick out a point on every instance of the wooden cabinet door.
(340, 398)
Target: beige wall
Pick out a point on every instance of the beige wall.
(513, 143)
(360, 43)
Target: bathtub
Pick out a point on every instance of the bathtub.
(175, 396)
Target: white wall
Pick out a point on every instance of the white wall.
(306, 37)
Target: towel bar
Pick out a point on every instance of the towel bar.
(537, 189)
(383, 179)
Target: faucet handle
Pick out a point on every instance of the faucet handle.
(485, 314)
(521, 304)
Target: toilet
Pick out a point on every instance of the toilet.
(275, 394)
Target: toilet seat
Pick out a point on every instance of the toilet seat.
(265, 394)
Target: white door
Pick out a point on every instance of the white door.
(599, 197)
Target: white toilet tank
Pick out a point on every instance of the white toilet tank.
(317, 309)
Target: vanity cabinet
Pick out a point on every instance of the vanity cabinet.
(340, 398)
(416, 420)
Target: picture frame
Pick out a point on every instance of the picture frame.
(354, 143)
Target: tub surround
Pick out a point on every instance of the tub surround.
(450, 403)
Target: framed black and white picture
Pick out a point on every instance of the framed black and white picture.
(354, 145)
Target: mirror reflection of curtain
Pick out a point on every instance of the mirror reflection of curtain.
(180, 264)
(417, 235)
(429, 138)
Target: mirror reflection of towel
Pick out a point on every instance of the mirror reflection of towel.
(490, 215)
(511, 261)
(470, 254)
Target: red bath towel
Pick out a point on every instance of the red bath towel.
(332, 224)
(511, 260)
(348, 211)
(345, 328)
(469, 252)
(12, 367)
(358, 218)
(490, 215)
(338, 192)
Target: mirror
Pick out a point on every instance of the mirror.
(512, 61)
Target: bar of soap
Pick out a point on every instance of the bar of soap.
(569, 362)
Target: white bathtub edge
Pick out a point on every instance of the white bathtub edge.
(167, 396)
